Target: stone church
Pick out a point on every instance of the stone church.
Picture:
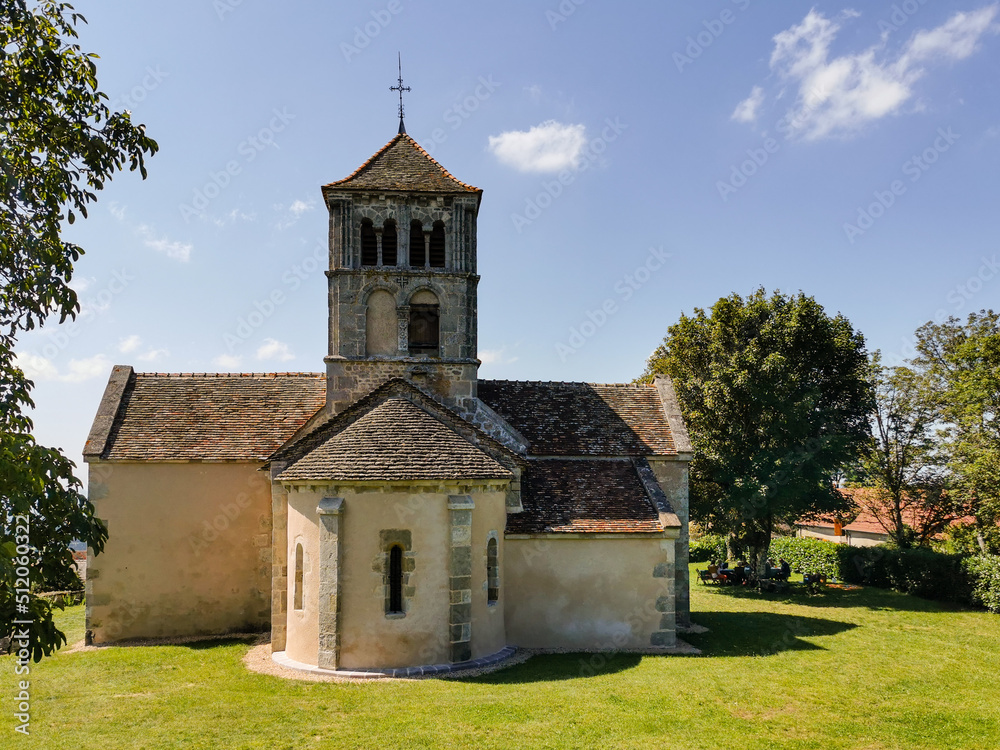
(395, 512)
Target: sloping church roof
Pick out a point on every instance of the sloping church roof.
(588, 496)
(395, 441)
(402, 165)
(583, 419)
(226, 417)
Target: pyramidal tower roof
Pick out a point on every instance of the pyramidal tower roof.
(402, 165)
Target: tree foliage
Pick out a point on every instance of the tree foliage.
(962, 364)
(776, 397)
(904, 467)
(59, 144)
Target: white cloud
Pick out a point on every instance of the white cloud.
(746, 110)
(548, 147)
(97, 366)
(36, 367)
(227, 361)
(231, 218)
(117, 210)
(496, 356)
(39, 368)
(838, 95)
(129, 344)
(534, 92)
(293, 213)
(81, 284)
(176, 250)
(274, 349)
(153, 354)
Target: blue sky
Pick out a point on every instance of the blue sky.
(638, 160)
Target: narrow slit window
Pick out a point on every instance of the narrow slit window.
(437, 245)
(492, 572)
(298, 576)
(418, 256)
(389, 243)
(395, 579)
(369, 244)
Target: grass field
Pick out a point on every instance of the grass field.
(842, 669)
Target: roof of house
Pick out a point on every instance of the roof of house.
(584, 496)
(865, 522)
(395, 441)
(583, 419)
(198, 416)
(402, 165)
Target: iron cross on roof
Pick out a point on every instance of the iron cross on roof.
(400, 88)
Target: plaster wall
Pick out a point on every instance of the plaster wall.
(188, 551)
(370, 638)
(576, 592)
(302, 640)
(488, 627)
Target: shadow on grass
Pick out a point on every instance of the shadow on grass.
(549, 667)
(831, 596)
(759, 633)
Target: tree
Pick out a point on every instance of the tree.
(962, 364)
(59, 144)
(777, 398)
(904, 469)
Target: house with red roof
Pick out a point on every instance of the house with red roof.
(394, 513)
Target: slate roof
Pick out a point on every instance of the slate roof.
(234, 417)
(583, 496)
(402, 165)
(583, 419)
(395, 441)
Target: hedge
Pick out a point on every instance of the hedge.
(708, 548)
(808, 555)
(921, 572)
(985, 573)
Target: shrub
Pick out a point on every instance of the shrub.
(808, 555)
(984, 570)
(708, 548)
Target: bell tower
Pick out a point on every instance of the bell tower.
(402, 278)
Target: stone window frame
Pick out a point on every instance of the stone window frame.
(493, 575)
(432, 311)
(377, 219)
(402, 538)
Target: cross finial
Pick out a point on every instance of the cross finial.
(400, 88)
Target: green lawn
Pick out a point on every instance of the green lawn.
(843, 669)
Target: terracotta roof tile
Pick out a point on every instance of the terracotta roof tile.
(402, 165)
(567, 496)
(582, 419)
(244, 416)
(395, 441)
